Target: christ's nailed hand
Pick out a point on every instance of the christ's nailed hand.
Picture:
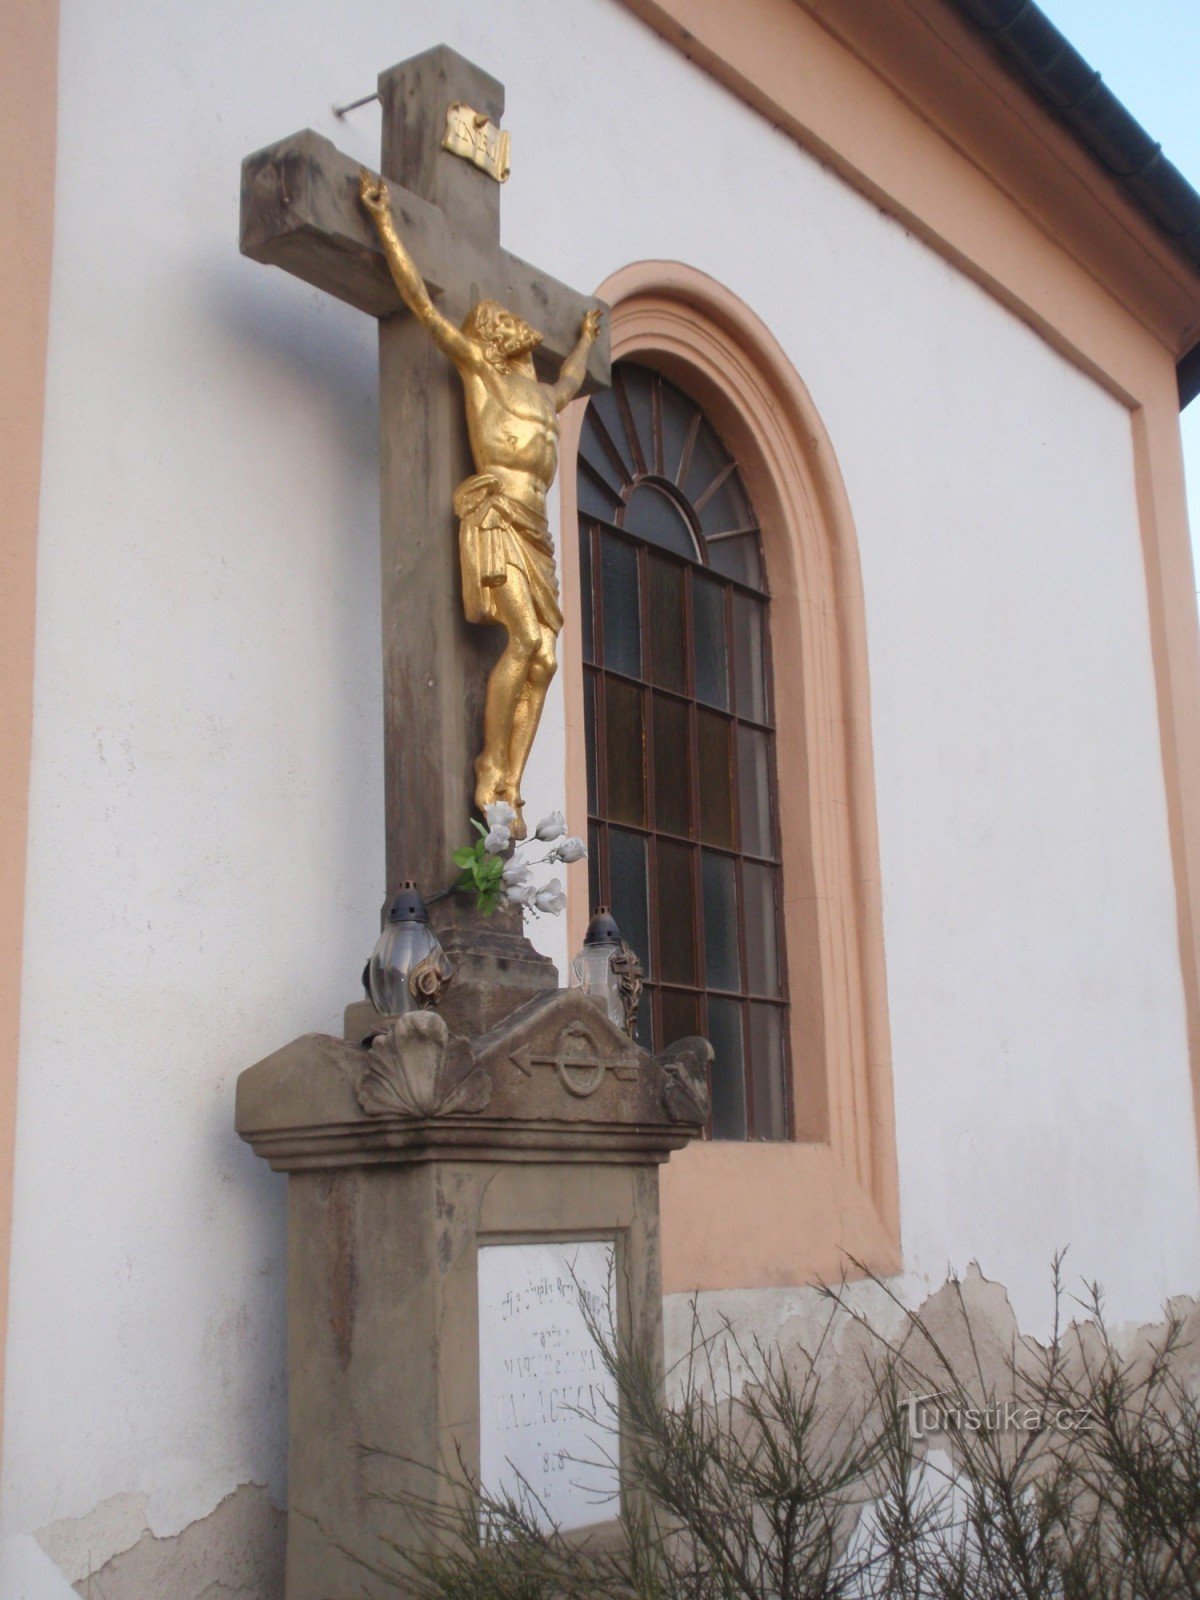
(373, 193)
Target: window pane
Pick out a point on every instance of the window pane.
(754, 792)
(676, 913)
(749, 668)
(672, 767)
(595, 896)
(666, 623)
(710, 647)
(680, 1016)
(709, 457)
(767, 1071)
(588, 629)
(589, 733)
(594, 500)
(716, 790)
(622, 621)
(725, 508)
(722, 964)
(608, 413)
(594, 451)
(637, 382)
(654, 516)
(762, 943)
(678, 413)
(738, 558)
(625, 751)
(627, 890)
(728, 1071)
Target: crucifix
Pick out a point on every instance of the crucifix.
(308, 208)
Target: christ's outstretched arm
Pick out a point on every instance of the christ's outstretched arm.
(464, 352)
(570, 377)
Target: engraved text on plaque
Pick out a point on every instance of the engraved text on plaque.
(547, 1406)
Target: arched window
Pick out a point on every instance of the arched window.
(682, 811)
(829, 1191)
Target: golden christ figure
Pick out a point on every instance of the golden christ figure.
(505, 548)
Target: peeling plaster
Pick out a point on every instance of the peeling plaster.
(972, 1319)
(77, 1545)
(234, 1553)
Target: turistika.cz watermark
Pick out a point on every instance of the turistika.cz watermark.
(934, 1413)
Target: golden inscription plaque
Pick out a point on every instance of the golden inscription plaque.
(477, 139)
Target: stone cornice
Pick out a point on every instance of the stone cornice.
(554, 1081)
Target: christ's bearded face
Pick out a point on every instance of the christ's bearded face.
(505, 335)
(515, 337)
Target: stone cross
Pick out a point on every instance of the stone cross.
(300, 211)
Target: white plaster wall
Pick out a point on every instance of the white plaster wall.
(206, 853)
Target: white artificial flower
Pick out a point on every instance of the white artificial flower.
(499, 815)
(521, 894)
(515, 873)
(571, 849)
(551, 898)
(552, 827)
(497, 840)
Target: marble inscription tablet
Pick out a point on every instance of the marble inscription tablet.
(547, 1407)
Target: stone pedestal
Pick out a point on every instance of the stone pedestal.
(408, 1150)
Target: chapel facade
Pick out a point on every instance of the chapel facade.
(878, 701)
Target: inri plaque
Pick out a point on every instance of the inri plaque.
(547, 1406)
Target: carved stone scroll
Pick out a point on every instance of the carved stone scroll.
(685, 1092)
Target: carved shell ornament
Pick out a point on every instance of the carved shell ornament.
(410, 1071)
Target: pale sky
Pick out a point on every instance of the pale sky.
(1148, 52)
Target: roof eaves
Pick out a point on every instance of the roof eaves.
(1077, 95)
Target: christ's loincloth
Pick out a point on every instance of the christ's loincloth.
(497, 532)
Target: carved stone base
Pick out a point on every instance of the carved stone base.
(496, 967)
(404, 1155)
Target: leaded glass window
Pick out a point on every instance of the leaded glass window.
(683, 826)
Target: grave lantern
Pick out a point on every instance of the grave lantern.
(594, 970)
(408, 966)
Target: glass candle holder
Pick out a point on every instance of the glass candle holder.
(592, 969)
(408, 967)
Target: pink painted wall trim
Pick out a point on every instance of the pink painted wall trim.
(832, 1194)
(28, 128)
